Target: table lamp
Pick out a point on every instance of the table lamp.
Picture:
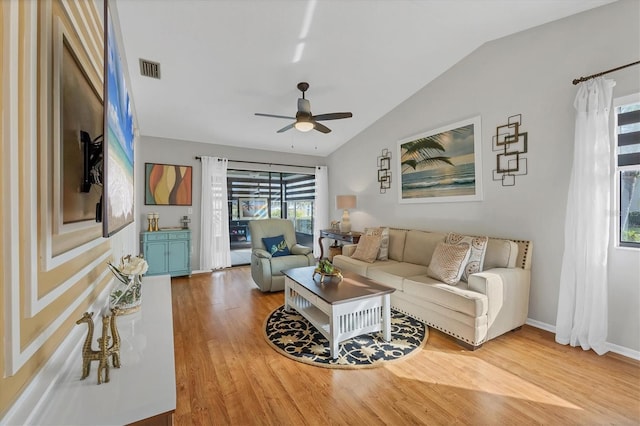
(345, 202)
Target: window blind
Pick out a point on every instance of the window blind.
(628, 136)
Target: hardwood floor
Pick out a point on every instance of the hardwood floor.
(227, 374)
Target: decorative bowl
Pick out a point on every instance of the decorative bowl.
(323, 275)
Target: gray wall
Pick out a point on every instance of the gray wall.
(529, 73)
(169, 151)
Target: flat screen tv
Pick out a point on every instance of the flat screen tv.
(118, 191)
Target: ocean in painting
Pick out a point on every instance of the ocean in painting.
(119, 138)
(441, 182)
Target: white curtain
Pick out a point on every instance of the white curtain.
(215, 252)
(321, 213)
(582, 303)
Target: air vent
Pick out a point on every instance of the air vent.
(149, 68)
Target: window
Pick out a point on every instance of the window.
(627, 132)
(257, 195)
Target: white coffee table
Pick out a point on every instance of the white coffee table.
(338, 309)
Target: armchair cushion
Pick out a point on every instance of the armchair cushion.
(276, 246)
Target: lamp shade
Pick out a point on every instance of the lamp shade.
(344, 202)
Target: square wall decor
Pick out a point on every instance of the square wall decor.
(167, 185)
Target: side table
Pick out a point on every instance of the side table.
(334, 234)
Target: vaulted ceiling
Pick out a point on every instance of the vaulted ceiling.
(221, 61)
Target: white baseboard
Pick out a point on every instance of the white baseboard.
(621, 350)
(541, 325)
(629, 353)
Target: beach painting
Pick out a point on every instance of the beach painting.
(254, 208)
(442, 165)
(118, 192)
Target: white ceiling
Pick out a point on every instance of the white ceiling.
(224, 60)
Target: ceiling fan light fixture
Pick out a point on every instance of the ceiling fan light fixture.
(305, 120)
(304, 126)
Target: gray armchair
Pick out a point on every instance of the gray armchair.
(266, 269)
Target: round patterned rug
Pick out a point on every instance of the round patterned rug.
(293, 336)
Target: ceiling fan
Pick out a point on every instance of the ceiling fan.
(305, 121)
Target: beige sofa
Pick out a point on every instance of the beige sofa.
(493, 301)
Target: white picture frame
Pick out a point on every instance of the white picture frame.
(441, 165)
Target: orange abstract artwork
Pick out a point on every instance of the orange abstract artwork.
(167, 184)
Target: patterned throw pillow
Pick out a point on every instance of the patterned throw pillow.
(448, 261)
(383, 252)
(476, 257)
(277, 246)
(367, 249)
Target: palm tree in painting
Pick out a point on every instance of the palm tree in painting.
(423, 151)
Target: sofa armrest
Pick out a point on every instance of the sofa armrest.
(349, 249)
(507, 291)
(491, 285)
(261, 253)
(300, 249)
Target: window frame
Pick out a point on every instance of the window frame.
(616, 175)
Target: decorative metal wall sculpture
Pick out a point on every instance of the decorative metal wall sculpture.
(512, 144)
(384, 170)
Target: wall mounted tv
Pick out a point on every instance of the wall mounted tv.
(118, 191)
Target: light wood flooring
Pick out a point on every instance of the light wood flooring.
(228, 375)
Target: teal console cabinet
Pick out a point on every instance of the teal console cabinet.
(167, 252)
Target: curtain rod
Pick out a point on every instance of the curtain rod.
(267, 164)
(581, 79)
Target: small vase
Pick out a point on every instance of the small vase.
(127, 297)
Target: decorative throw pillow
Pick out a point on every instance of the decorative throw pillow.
(383, 252)
(476, 257)
(448, 261)
(277, 246)
(367, 249)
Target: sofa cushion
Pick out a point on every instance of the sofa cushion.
(347, 263)
(396, 243)
(500, 254)
(478, 247)
(277, 246)
(419, 246)
(368, 247)
(383, 252)
(458, 298)
(393, 274)
(448, 262)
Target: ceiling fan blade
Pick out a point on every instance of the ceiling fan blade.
(275, 116)
(285, 128)
(304, 105)
(332, 116)
(322, 128)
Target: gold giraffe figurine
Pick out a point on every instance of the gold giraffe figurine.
(103, 353)
(114, 349)
(88, 354)
(104, 350)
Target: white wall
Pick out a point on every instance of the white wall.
(170, 151)
(529, 73)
